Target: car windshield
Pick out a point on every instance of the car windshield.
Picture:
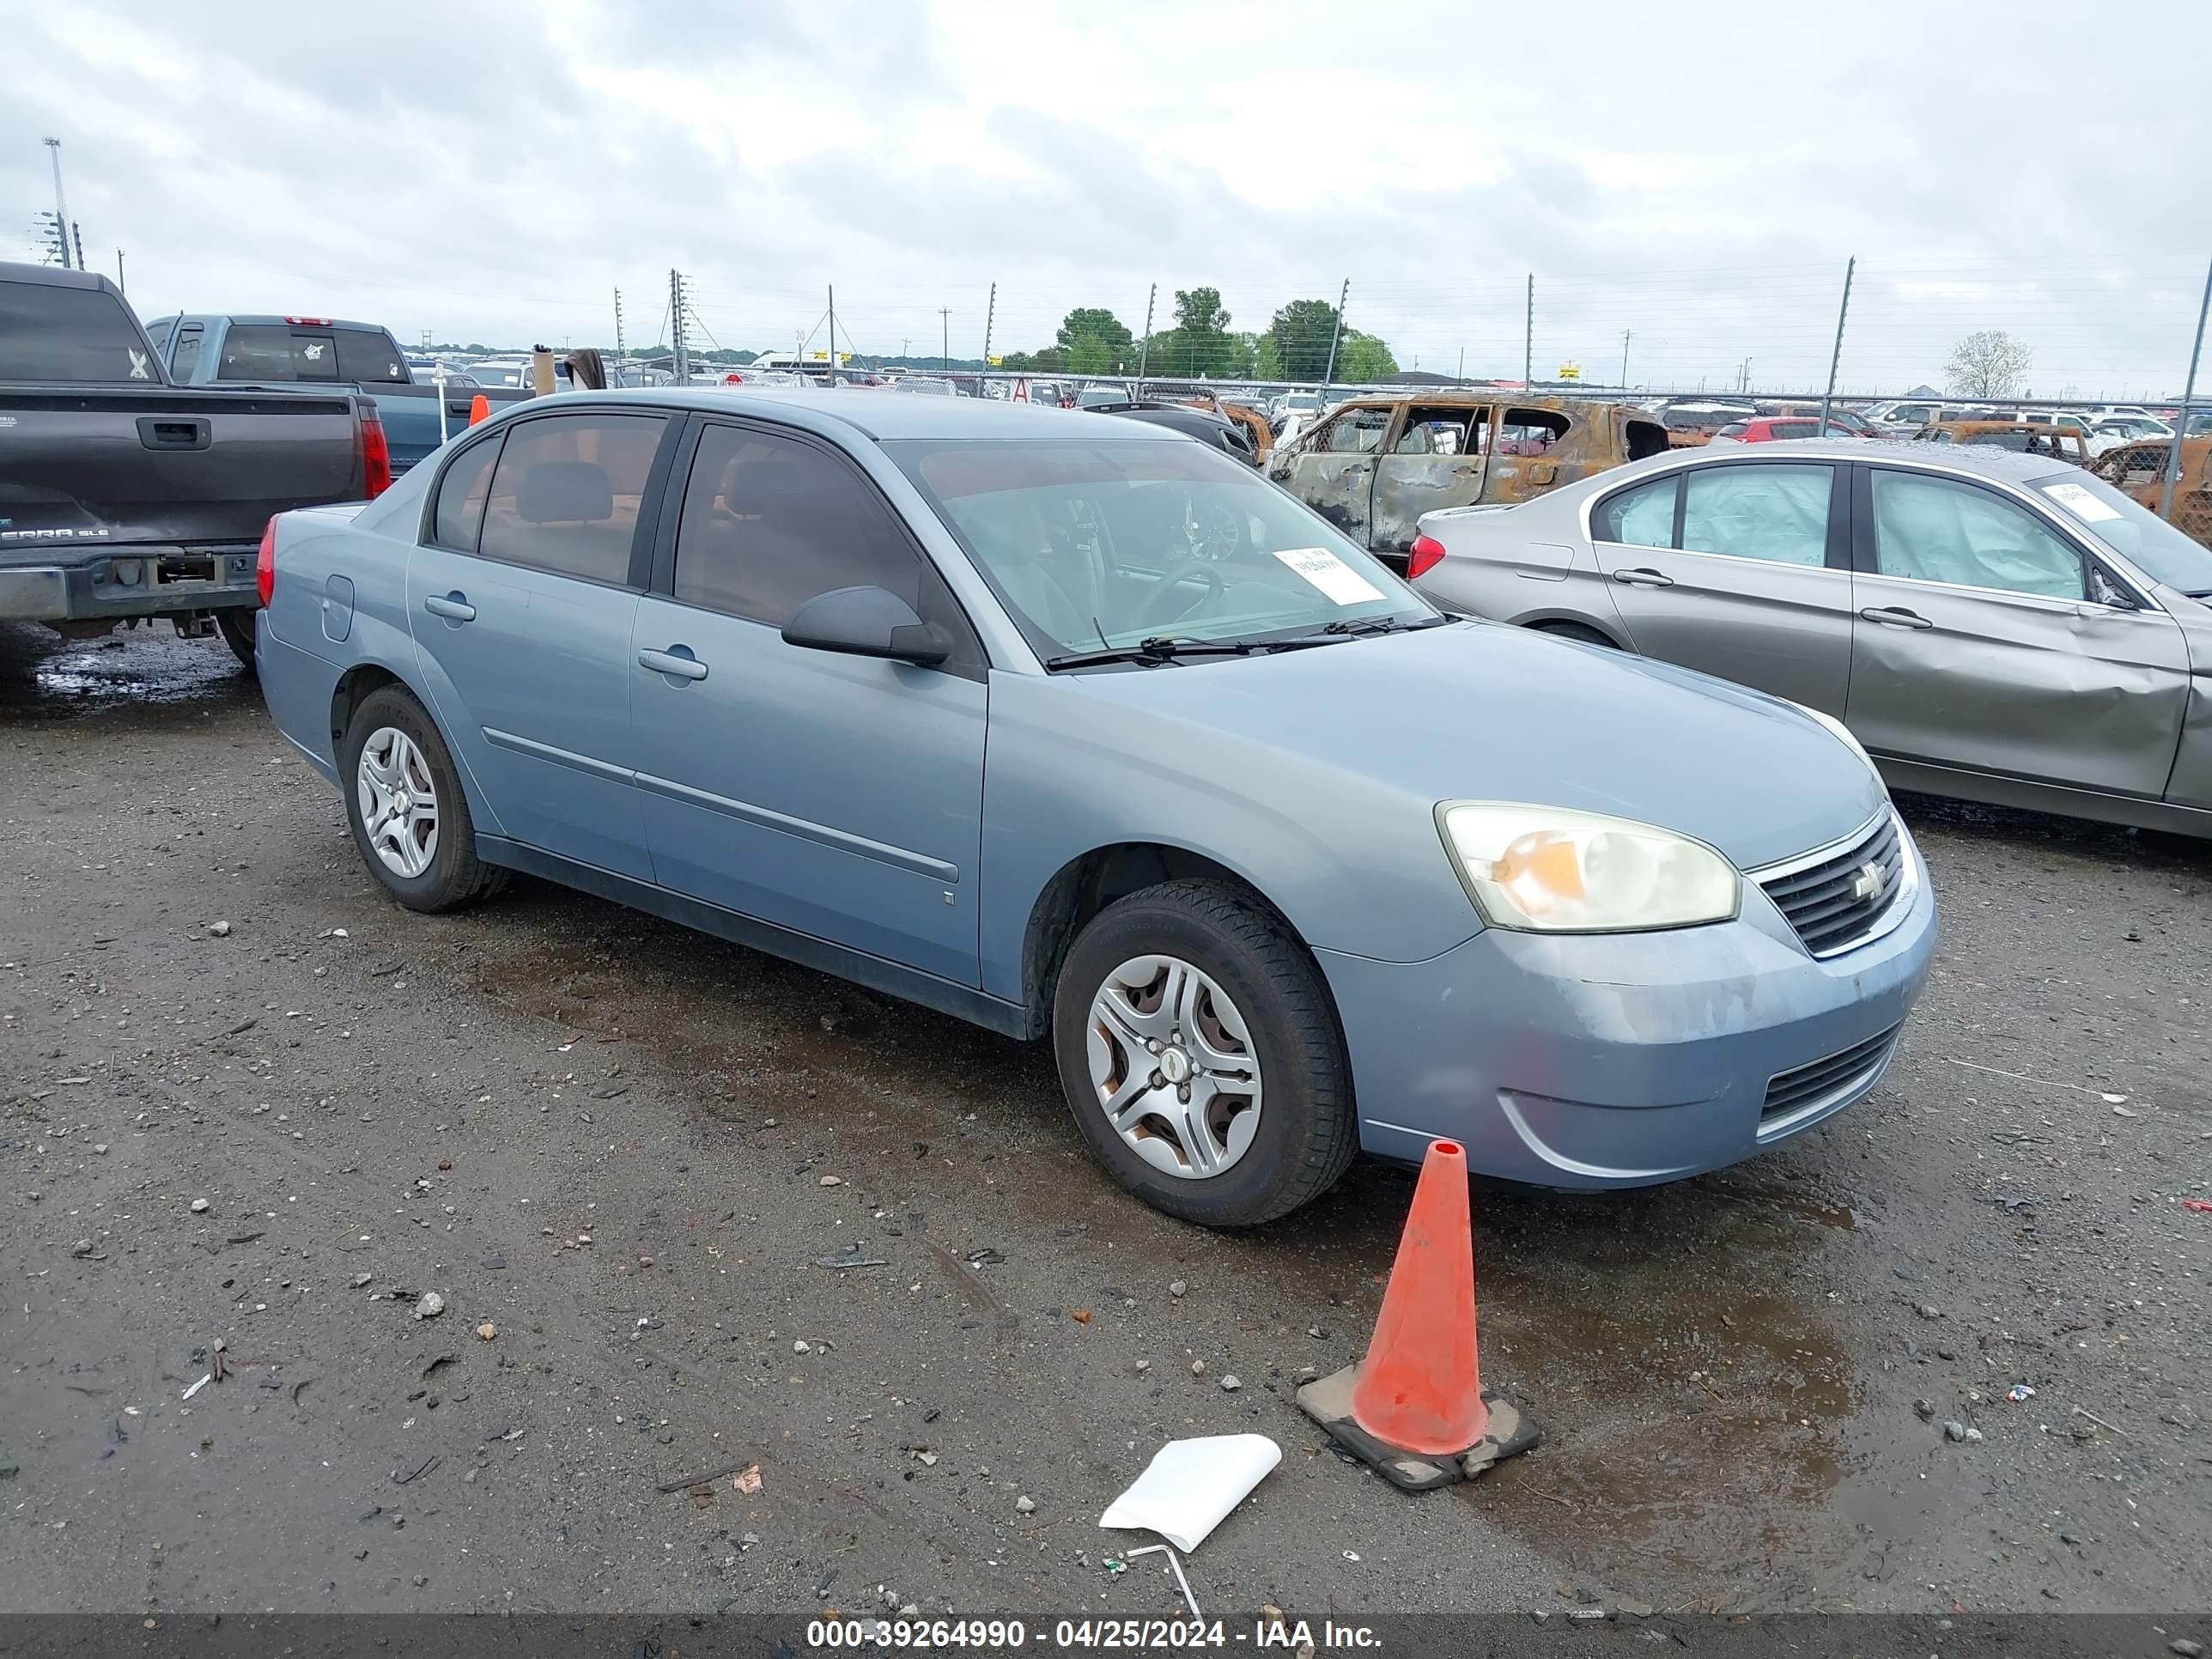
(499, 374)
(1103, 544)
(2156, 547)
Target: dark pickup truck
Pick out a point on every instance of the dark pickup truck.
(324, 353)
(124, 497)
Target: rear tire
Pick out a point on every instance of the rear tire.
(1257, 1039)
(1571, 630)
(429, 867)
(236, 627)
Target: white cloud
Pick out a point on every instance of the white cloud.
(494, 172)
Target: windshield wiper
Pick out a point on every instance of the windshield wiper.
(1360, 625)
(1159, 648)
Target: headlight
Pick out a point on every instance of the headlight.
(1842, 734)
(1548, 869)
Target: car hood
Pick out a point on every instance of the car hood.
(1478, 711)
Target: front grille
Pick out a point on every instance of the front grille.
(1833, 901)
(1790, 1091)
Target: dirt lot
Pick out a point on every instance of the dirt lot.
(612, 1144)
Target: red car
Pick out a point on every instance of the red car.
(1773, 429)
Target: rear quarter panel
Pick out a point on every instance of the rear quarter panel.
(340, 606)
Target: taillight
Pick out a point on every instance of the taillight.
(1424, 556)
(375, 459)
(265, 565)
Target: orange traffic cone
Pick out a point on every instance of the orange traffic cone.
(1414, 1408)
(1420, 1386)
(479, 409)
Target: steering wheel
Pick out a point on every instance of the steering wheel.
(1152, 613)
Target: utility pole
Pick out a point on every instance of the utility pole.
(1461, 374)
(2181, 421)
(1626, 334)
(833, 333)
(1144, 351)
(620, 349)
(945, 339)
(681, 355)
(1836, 356)
(118, 274)
(1528, 340)
(990, 314)
(1336, 333)
(77, 231)
(61, 207)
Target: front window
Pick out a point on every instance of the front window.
(2137, 534)
(1102, 544)
(1935, 530)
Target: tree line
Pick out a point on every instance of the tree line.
(1294, 346)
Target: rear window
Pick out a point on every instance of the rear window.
(271, 351)
(70, 334)
(367, 355)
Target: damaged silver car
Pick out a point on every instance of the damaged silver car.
(1991, 625)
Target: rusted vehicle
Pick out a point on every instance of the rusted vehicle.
(2028, 437)
(1691, 425)
(2138, 471)
(1376, 463)
(1254, 422)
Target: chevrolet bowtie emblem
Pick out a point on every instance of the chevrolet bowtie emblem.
(1867, 884)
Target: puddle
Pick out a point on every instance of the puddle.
(46, 677)
(1707, 1426)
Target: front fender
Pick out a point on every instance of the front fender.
(1351, 863)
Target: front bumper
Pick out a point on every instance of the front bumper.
(140, 581)
(1622, 1060)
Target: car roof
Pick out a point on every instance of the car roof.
(2010, 464)
(881, 416)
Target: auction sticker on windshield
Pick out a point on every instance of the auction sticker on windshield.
(2079, 502)
(1336, 579)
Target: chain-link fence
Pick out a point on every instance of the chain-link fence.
(2109, 339)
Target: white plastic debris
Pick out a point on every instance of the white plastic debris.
(1190, 1485)
(197, 1386)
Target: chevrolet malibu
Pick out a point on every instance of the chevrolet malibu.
(1081, 730)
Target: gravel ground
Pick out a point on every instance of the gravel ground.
(620, 1152)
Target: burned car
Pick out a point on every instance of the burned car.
(1375, 465)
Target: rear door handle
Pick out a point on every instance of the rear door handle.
(684, 667)
(1642, 576)
(156, 432)
(1895, 616)
(454, 607)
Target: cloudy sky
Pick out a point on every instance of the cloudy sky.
(1695, 177)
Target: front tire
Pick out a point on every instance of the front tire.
(404, 804)
(1199, 1051)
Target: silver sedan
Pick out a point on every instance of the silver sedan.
(1990, 625)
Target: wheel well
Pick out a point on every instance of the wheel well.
(1086, 886)
(353, 687)
(1567, 627)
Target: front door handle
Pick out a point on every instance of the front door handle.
(1895, 616)
(684, 667)
(454, 607)
(1643, 576)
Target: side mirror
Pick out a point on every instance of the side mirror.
(866, 622)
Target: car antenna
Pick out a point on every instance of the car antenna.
(1104, 643)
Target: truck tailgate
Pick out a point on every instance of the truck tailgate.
(166, 465)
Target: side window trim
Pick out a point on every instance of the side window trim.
(427, 534)
(1866, 557)
(681, 456)
(641, 544)
(1602, 506)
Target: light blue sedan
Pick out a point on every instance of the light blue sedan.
(1082, 730)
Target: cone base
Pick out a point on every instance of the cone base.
(1328, 1403)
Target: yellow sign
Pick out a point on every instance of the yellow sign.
(998, 362)
(819, 356)
(1569, 372)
